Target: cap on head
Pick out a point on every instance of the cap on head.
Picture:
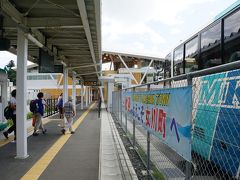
(69, 98)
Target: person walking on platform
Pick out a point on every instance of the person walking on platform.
(99, 105)
(69, 112)
(40, 103)
(60, 106)
(13, 107)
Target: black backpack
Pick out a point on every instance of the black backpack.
(33, 106)
(8, 112)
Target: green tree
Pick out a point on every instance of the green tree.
(10, 72)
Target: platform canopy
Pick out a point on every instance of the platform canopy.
(129, 59)
(68, 29)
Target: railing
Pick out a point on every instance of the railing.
(215, 139)
(52, 106)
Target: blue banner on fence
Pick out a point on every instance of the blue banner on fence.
(166, 114)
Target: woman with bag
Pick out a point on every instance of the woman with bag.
(13, 107)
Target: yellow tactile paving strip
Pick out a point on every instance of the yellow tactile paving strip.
(39, 167)
(11, 137)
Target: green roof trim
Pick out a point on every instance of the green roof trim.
(228, 10)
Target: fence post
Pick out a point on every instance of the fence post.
(134, 124)
(189, 164)
(118, 110)
(121, 108)
(126, 119)
(113, 106)
(55, 105)
(51, 107)
(148, 146)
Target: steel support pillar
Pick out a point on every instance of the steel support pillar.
(21, 97)
(65, 91)
(86, 96)
(110, 91)
(4, 96)
(82, 94)
(74, 89)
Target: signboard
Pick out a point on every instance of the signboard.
(166, 114)
(216, 129)
(58, 68)
(46, 62)
(91, 83)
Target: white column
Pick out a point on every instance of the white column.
(101, 93)
(86, 96)
(65, 91)
(4, 97)
(21, 112)
(110, 90)
(82, 94)
(65, 85)
(74, 89)
(89, 95)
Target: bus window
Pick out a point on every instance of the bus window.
(178, 61)
(210, 46)
(232, 37)
(167, 66)
(191, 54)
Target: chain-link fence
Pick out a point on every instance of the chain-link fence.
(215, 140)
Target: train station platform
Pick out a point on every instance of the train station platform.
(70, 156)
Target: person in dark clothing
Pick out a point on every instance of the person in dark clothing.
(40, 103)
(60, 106)
(13, 107)
(99, 105)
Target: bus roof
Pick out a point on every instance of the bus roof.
(228, 10)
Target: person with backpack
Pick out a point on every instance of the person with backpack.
(12, 115)
(69, 112)
(39, 112)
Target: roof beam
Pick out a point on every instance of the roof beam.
(128, 69)
(89, 73)
(73, 52)
(146, 71)
(53, 22)
(84, 66)
(98, 23)
(8, 9)
(13, 13)
(135, 56)
(63, 41)
(83, 14)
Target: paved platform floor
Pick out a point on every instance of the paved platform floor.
(76, 159)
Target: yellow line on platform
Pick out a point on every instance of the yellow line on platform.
(3, 142)
(39, 167)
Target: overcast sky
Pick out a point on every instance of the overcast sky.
(150, 27)
(154, 27)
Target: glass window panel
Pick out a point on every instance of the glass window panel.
(232, 25)
(232, 38)
(211, 36)
(191, 54)
(178, 61)
(167, 68)
(210, 47)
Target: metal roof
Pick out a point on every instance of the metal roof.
(69, 29)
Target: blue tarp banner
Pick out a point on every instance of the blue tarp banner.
(166, 114)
